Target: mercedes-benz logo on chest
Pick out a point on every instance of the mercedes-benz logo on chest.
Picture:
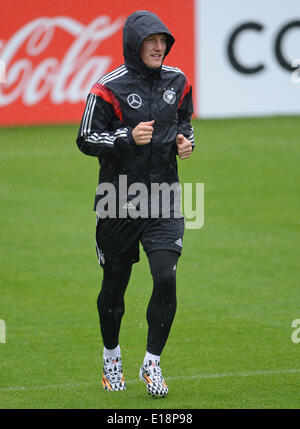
(134, 101)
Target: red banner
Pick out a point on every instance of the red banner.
(51, 52)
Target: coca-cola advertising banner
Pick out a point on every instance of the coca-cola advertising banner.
(52, 52)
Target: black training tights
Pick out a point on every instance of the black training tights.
(161, 308)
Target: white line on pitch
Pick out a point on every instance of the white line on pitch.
(177, 378)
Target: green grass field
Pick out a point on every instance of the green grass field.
(238, 277)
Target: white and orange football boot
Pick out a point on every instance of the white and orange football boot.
(113, 377)
(150, 373)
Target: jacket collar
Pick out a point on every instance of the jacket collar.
(144, 72)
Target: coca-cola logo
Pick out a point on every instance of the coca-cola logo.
(67, 79)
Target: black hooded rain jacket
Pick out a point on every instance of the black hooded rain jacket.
(131, 94)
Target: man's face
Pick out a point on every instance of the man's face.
(153, 50)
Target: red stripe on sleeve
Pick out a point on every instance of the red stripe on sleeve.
(107, 95)
(187, 87)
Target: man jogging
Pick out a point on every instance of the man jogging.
(136, 121)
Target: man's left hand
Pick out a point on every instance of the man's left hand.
(184, 146)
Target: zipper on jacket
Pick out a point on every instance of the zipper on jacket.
(151, 144)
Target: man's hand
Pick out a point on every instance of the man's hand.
(142, 133)
(184, 146)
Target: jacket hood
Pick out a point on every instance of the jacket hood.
(138, 26)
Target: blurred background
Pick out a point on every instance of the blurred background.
(242, 59)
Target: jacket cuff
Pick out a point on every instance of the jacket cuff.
(125, 144)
